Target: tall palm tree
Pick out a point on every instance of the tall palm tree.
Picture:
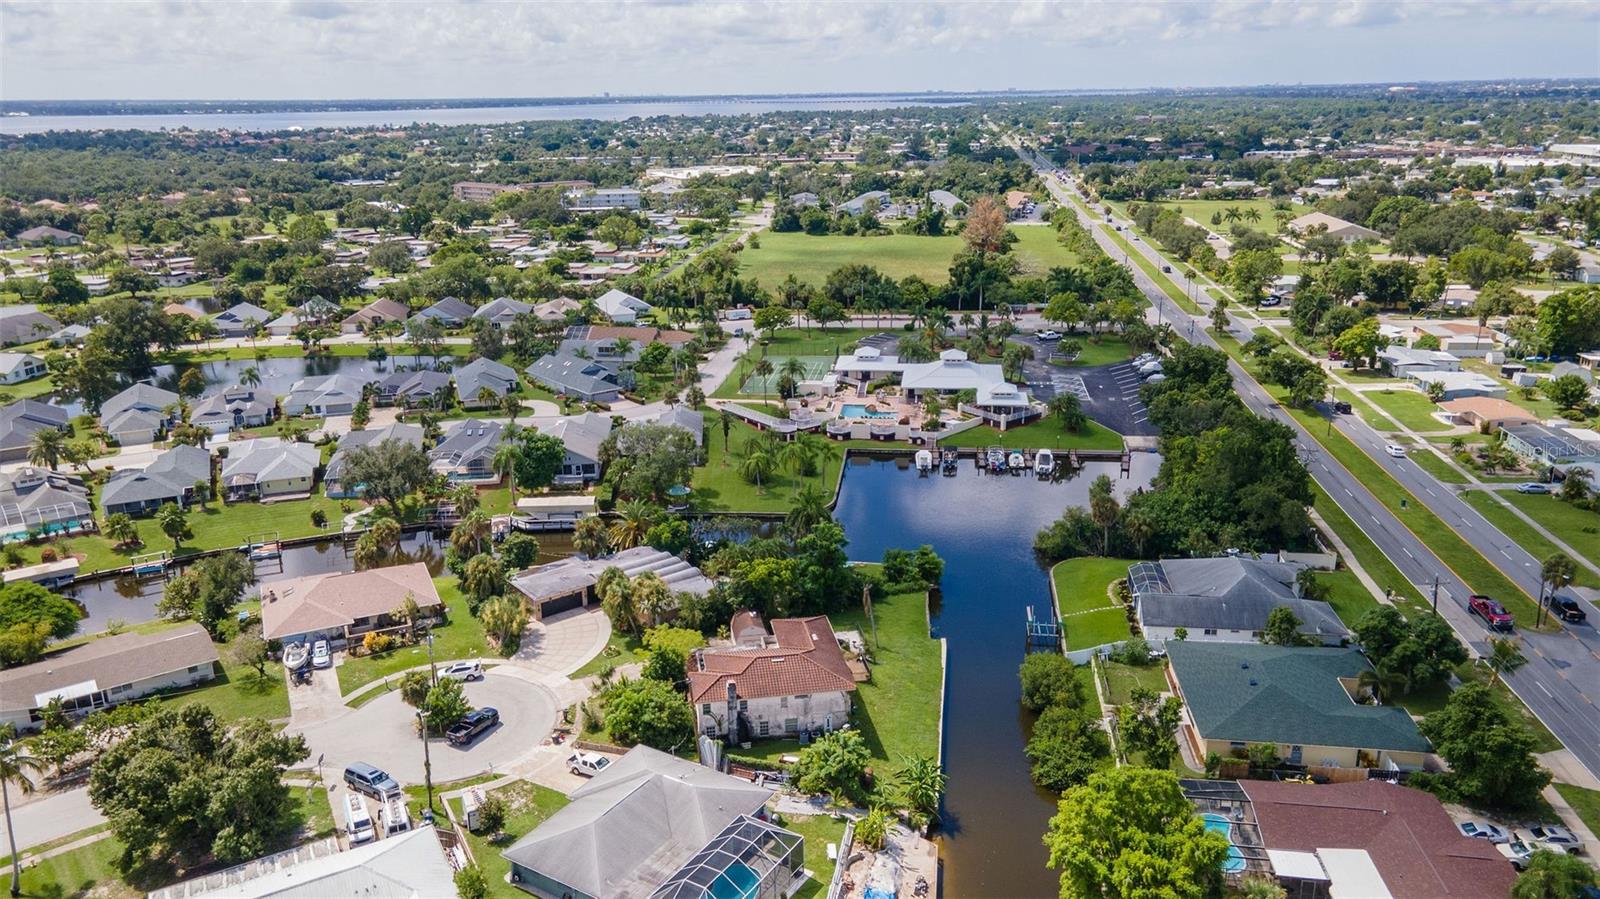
(763, 370)
(47, 447)
(465, 499)
(590, 538)
(504, 464)
(793, 368)
(470, 533)
(250, 377)
(1252, 215)
(1556, 572)
(629, 530)
(809, 509)
(1505, 656)
(16, 766)
(725, 420)
(757, 464)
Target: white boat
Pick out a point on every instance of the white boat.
(1044, 462)
(1017, 462)
(924, 460)
(294, 655)
(996, 457)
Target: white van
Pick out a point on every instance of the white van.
(394, 815)
(358, 823)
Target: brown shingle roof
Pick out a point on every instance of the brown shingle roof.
(807, 659)
(1407, 834)
(322, 601)
(639, 335)
(108, 662)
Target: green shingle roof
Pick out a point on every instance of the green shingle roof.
(1253, 693)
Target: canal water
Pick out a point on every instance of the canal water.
(133, 600)
(983, 526)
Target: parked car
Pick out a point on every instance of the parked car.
(1144, 359)
(1482, 830)
(1049, 335)
(1395, 450)
(1533, 487)
(1343, 408)
(463, 671)
(1567, 609)
(1516, 852)
(1551, 836)
(1271, 301)
(371, 780)
(321, 657)
(1167, 269)
(587, 764)
(1150, 368)
(357, 820)
(1156, 378)
(475, 722)
(1492, 613)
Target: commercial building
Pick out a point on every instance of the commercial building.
(601, 199)
(1349, 232)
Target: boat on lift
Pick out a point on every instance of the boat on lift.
(924, 461)
(950, 463)
(1044, 463)
(996, 457)
(1017, 462)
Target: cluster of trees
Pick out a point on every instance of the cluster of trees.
(1227, 478)
(31, 617)
(1067, 743)
(1407, 654)
(1490, 752)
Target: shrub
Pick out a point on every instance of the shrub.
(375, 642)
(873, 829)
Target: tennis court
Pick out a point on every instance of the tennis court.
(757, 385)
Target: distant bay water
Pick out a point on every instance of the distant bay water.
(464, 115)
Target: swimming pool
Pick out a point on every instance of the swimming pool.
(737, 881)
(859, 410)
(1235, 860)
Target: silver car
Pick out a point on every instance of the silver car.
(1551, 836)
(1482, 830)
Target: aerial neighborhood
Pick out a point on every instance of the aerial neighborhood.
(1017, 493)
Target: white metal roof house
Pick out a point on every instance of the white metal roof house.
(1403, 361)
(621, 307)
(269, 468)
(18, 367)
(467, 451)
(484, 374)
(409, 865)
(324, 395)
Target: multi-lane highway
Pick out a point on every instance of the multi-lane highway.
(1562, 677)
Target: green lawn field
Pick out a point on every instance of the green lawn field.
(1046, 433)
(1409, 407)
(811, 258)
(1578, 528)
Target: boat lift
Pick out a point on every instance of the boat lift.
(1043, 635)
(265, 551)
(152, 564)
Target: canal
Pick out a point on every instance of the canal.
(983, 527)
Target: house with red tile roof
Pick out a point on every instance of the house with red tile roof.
(779, 684)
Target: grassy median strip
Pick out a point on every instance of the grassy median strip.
(1407, 597)
(1524, 534)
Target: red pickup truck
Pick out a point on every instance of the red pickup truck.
(1492, 613)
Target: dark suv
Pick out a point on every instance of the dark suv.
(475, 722)
(1567, 609)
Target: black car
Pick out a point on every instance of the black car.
(1342, 407)
(1567, 608)
(473, 723)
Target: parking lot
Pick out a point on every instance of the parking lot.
(1109, 393)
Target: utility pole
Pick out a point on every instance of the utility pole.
(427, 760)
(1435, 594)
(872, 621)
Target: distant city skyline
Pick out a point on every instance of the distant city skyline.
(330, 49)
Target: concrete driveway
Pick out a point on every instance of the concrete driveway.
(383, 733)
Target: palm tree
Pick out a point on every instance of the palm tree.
(590, 538)
(1556, 572)
(465, 498)
(15, 767)
(1232, 214)
(47, 447)
(757, 464)
(651, 597)
(486, 397)
(250, 377)
(1504, 657)
(504, 618)
(504, 464)
(809, 509)
(470, 533)
(616, 597)
(763, 370)
(793, 368)
(1382, 682)
(1252, 215)
(511, 406)
(120, 529)
(725, 419)
(636, 519)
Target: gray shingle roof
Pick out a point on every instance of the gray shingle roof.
(144, 396)
(1241, 613)
(481, 373)
(108, 662)
(566, 373)
(20, 420)
(580, 434)
(451, 310)
(1290, 695)
(172, 472)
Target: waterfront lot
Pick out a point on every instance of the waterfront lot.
(1087, 611)
(720, 487)
(1044, 433)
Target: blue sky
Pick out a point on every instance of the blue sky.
(379, 48)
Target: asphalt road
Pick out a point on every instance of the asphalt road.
(1562, 676)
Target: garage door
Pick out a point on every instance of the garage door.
(560, 604)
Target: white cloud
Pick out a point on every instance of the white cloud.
(278, 48)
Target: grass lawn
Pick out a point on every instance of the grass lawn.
(1350, 600)
(1441, 470)
(242, 693)
(1081, 584)
(1103, 349)
(1377, 565)
(621, 649)
(818, 831)
(812, 258)
(528, 806)
(1579, 528)
(1409, 407)
(1531, 540)
(1431, 699)
(1045, 433)
(786, 342)
(898, 711)
(1121, 679)
(1584, 801)
(1090, 629)
(315, 809)
(85, 871)
(718, 485)
(462, 638)
(1202, 210)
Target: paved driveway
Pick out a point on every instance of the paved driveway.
(383, 733)
(561, 644)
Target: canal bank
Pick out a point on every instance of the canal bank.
(983, 526)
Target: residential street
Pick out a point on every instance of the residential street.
(1562, 676)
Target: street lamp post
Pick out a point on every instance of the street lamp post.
(433, 674)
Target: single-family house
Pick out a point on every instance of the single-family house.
(652, 826)
(171, 478)
(621, 307)
(804, 200)
(483, 374)
(466, 453)
(234, 407)
(1348, 232)
(269, 468)
(24, 323)
(681, 416)
(568, 584)
(792, 681)
(133, 427)
(582, 436)
(18, 367)
(870, 202)
(375, 314)
(1544, 445)
(333, 483)
(20, 420)
(241, 320)
(556, 310)
(1225, 599)
(1306, 702)
(1590, 361)
(1404, 361)
(422, 388)
(566, 374)
(347, 605)
(1457, 384)
(335, 394)
(284, 325)
(501, 312)
(45, 235)
(71, 335)
(405, 864)
(451, 312)
(948, 202)
(107, 671)
(1487, 414)
(1458, 297)
(1016, 201)
(37, 499)
(141, 396)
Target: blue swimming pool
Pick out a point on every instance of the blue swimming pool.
(1235, 860)
(738, 881)
(859, 410)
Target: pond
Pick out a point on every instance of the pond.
(277, 375)
(133, 600)
(983, 526)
